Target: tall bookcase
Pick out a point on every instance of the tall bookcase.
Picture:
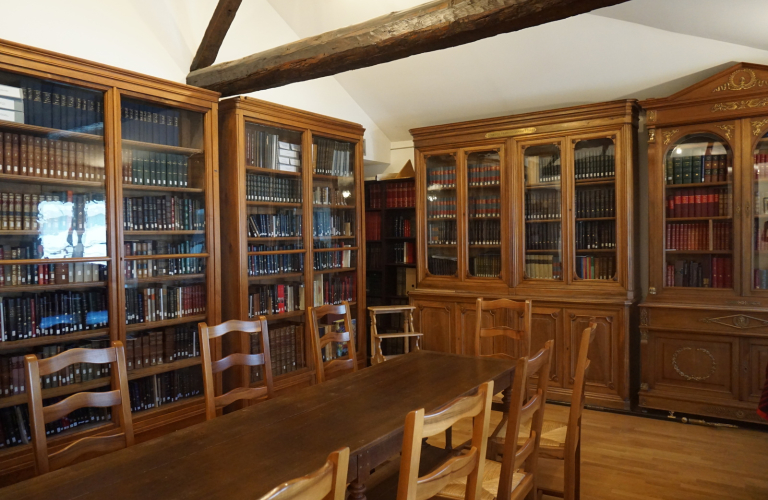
(532, 207)
(109, 232)
(704, 322)
(292, 223)
(391, 251)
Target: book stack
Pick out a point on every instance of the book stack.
(160, 303)
(154, 391)
(163, 213)
(275, 299)
(589, 267)
(484, 170)
(374, 196)
(286, 349)
(331, 224)
(328, 195)
(485, 266)
(485, 232)
(591, 203)
(151, 268)
(760, 165)
(41, 157)
(331, 157)
(594, 163)
(401, 195)
(441, 233)
(284, 223)
(263, 265)
(60, 273)
(687, 236)
(441, 207)
(484, 207)
(155, 169)
(700, 202)
(52, 313)
(542, 169)
(545, 236)
(543, 267)
(273, 247)
(761, 235)
(161, 347)
(401, 227)
(441, 178)
(275, 189)
(12, 104)
(333, 289)
(372, 226)
(266, 150)
(12, 378)
(595, 235)
(714, 273)
(56, 106)
(442, 265)
(698, 169)
(147, 123)
(14, 422)
(542, 204)
(404, 253)
(333, 260)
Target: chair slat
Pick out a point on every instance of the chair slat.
(524, 450)
(334, 337)
(318, 343)
(456, 410)
(88, 445)
(80, 400)
(233, 325)
(453, 468)
(399, 335)
(329, 482)
(237, 359)
(240, 393)
(78, 355)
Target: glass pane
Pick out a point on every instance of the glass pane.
(595, 200)
(699, 214)
(543, 213)
(760, 225)
(484, 211)
(442, 249)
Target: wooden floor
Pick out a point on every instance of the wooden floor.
(626, 457)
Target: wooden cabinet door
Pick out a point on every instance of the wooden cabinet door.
(604, 351)
(754, 143)
(754, 358)
(547, 324)
(435, 319)
(467, 321)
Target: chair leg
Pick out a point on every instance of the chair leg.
(577, 467)
(449, 438)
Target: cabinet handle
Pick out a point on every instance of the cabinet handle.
(746, 208)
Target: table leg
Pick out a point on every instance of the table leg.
(356, 491)
(494, 451)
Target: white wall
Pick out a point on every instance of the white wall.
(160, 37)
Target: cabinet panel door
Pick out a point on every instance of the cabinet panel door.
(603, 350)
(500, 344)
(753, 360)
(547, 324)
(435, 320)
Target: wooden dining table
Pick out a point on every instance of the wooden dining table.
(246, 453)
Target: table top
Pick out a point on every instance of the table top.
(255, 449)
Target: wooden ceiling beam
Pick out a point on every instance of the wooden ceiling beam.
(431, 26)
(214, 34)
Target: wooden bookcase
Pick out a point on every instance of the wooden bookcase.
(324, 245)
(70, 137)
(535, 206)
(391, 251)
(704, 322)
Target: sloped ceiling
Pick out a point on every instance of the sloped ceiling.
(643, 48)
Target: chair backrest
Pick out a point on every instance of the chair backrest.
(522, 458)
(117, 398)
(468, 463)
(521, 335)
(210, 367)
(573, 434)
(319, 343)
(328, 482)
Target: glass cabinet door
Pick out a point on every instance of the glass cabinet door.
(698, 226)
(483, 171)
(543, 213)
(759, 268)
(442, 237)
(594, 210)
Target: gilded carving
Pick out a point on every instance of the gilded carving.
(741, 79)
(510, 133)
(757, 126)
(652, 290)
(651, 135)
(734, 105)
(644, 387)
(652, 116)
(727, 130)
(693, 377)
(738, 321)
(668, 135)
(644, 317)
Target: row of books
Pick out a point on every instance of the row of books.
(148, 168)
(760, 165)
(590, 164)
(485, 266)
(373, 258)
(148, 123)
(696, 169)
(52, 313)
(153, 267)
(404, 253)
(159, 303)
(760, 279)
(264, 265)
(266, 150)
(62, 211)
(286, 350)
(333, 260)
(484, 232)
(328, 195)
(442, 233)
(372, 226)
(60, 273)
(443, 207)
(696, 236)
(331, 157)
(46, 104)
(163, 213)
(543, 267)
(700, 202)
(161, 347)
(333, 288)
(592, 203)
(401, 227)
(275, 299)
(441, 178)
(274, 247)
(484, 171)
(275, 189)
(541, 169)
(761, 235)
(595, 235)
(14, 422)
(484, 207)
(283, 223)
(155, 391)
(328, 224)
(590, 267)
(31, 156)
(716, 272)
(546, 236)
(542, 204)
(442, 265)
(397, 195)
(405, 281)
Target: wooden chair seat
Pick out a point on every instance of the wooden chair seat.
(551, 476)
(552, 436)
(491, 475)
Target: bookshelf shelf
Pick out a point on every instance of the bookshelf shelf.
(160, 189)
(20, 232)
(136, 327)
(335, 270)
(163, 368)
(49, 181)
(334, 207)
(484, 245)
(699, 252)
(545, 185)
(542, 221)
(53, 133)
(595, 182)
(334, 249)
(16, 345)
(400, 238)
(682, 219)
(161, 148)
(285, 315)
(587, 219)
(332, 177)
(279, 252)
(596, 250)
(270, 171)
(273, 239)
(20, 262)
(697, 185)
(275, 276)
(168, 407)
(272, 204)
(338, 237)
(46, 288)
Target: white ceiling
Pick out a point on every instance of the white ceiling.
(643, 48)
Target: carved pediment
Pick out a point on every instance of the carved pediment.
(732, 84)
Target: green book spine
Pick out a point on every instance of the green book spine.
(670, 171)
(708, 168)
(696, 176)
(687, 168)
(677, 168)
